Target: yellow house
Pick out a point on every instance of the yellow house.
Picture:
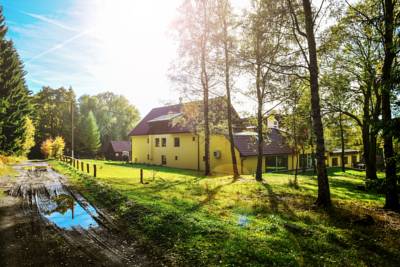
(161, 139)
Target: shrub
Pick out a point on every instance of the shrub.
(58, 146)
(47, 148)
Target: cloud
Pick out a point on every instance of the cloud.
(50, 21)
(57, 46)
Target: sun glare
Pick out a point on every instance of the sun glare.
(131, 40)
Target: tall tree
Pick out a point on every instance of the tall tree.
(390, 49)
(53, 115)
(383, 18)
(196, 66)
(261, 50)
(310, 17)
(351, 52)
(14, 96)
(225, 38)
(90, 135)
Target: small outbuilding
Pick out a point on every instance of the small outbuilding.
(119, 150)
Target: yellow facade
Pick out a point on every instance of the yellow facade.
(190, 153)
(335, 160)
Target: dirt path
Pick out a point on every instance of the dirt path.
(44, 223)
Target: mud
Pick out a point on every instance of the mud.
(45, 223)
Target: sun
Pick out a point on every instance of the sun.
(131, 38)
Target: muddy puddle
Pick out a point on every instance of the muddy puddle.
(42, 187)
(44, 192)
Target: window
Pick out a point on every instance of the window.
(177, 142)
(193, 138)
(345, 160)
(276, 163)
(163, 142)
(148, 140)
(353, 159)
(157, 142)
(176, 157)
(148, 156)
(334, 162)
(163, 160)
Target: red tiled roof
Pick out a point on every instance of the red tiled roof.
(275, 145)
(119, 146)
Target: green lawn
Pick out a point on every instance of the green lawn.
(184, 218)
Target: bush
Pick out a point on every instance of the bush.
(53, 148)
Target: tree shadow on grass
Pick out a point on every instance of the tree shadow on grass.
(157, 168)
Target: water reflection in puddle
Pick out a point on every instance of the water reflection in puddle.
(68, 213)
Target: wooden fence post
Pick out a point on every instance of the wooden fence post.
(87, 168)
(94, 170)
(73, 163)
(141, 176)
(82, 166)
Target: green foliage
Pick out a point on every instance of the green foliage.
(29, 136)
(185, 219)
(90, 135)
(15, 104)
(53, 115)
(115, 116)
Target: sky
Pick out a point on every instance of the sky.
(123, 46)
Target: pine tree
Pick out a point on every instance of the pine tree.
(14, 96)
(91, 134)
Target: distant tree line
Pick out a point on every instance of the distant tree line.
(96, 120)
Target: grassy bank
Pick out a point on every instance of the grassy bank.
(187, 219)
(5, 164)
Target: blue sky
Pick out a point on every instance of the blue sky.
(96, 45)
(123, 46)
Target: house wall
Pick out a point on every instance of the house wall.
(185, 156)
(223, 164)
(350, 162)
(189, 154)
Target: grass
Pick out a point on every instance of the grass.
(184, 218)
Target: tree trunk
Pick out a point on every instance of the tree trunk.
(324, 197)
(260, 142)
(229, 104)
(342, 141)
(205, 85)
(207, 170)
(392, 198)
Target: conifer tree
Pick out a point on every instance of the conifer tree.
(14, 96)
(91, 135)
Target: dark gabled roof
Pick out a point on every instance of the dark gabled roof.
(275, 145)
(172, 119)
(153, 123)
(119, 146)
